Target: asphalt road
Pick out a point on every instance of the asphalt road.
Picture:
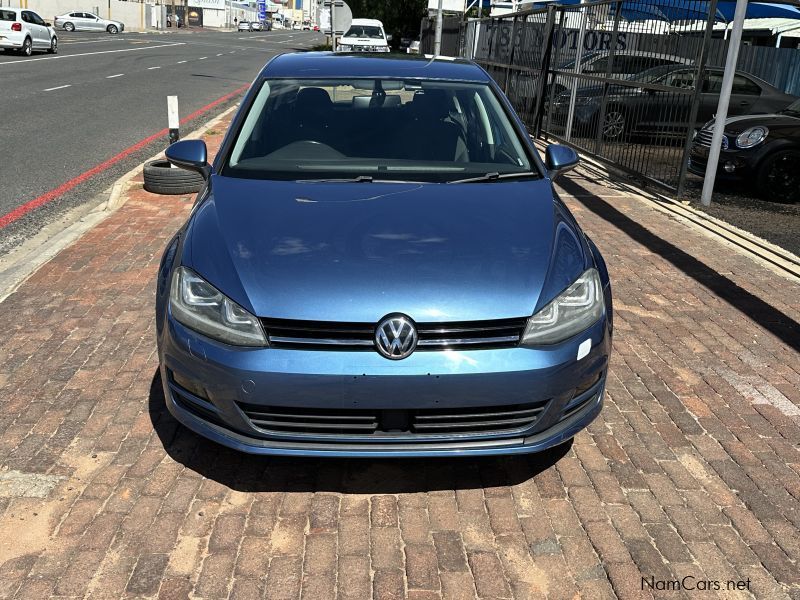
(61, 116)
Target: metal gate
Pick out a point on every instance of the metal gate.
(614, 78)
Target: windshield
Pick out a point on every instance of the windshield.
(651, 75)
(375, 129)
(793, 109)
(365, 31)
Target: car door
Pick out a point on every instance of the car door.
(667, 111)
(80, 21)
(40, 37)
(92, 22)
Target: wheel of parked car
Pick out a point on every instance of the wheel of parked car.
(112, 29)
(161, 178)
(53, 46)
(27, 47)
(779, 176)
(69, 27)
(614, 123)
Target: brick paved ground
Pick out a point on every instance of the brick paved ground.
(692, 469)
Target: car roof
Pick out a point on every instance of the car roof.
(320, 65)
(373, 22)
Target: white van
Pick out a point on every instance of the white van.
(364, 35)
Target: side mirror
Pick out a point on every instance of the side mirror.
(191, 155)
(559, 159)
(46, 24)
(389, 37)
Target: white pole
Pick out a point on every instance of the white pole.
(333, 25)
(575, 81)
(724, 100)
(437, 43)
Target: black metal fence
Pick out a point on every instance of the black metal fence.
(616, 78)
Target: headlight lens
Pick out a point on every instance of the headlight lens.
(571, 312)
(751, 137)
(200, 306)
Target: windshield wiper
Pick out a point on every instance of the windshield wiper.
(359, 179)
(494, 176)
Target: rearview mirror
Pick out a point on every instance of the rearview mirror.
(191, 155)
(559, 159)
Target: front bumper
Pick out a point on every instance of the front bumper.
(734, 164)
(216, 390)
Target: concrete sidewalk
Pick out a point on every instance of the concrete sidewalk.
(690, 475)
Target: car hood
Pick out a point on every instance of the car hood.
(740, 123)
(359, 251)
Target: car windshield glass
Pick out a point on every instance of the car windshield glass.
(365, 31)
(651, 75)
(793, 109)
(570, 64)
(375, 130)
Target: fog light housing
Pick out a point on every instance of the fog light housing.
(729, 167)
(189, 385)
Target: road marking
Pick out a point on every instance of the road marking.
(202, 58)
(219, 54)
(60, 87)
(62, 56)
(180, 62)
(117, 75)
(47, 197)
(151, 68)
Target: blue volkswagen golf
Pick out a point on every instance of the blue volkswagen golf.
(379, 266)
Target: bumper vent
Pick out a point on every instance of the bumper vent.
(408, 424)
(321, 335)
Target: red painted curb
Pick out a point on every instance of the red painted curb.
(47, 197)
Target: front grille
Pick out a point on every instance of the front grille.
(331, 335)
(704, 137)
(512, 418)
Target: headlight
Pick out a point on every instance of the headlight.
(345, 48)
(200, 306)
(573, 311)
(583, 100)
(751, 137)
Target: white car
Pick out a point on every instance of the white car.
(85, 21)
(245, 26)
(364, 35)
(25, 31)
(256, 26)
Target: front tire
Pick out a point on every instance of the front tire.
(779, 177)
(113, 29)
(53, 46)
(69, 27)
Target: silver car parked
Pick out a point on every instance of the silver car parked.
(84, 21)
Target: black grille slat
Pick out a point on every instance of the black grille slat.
(395, 422)
(371, 426)
(331, 335)
(531, 411)
(497, 424)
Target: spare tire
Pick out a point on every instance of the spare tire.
(161, 178)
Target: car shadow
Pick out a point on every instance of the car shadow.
(751, 306)
(252, 473)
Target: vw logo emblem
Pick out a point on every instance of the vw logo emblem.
(396, 337)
